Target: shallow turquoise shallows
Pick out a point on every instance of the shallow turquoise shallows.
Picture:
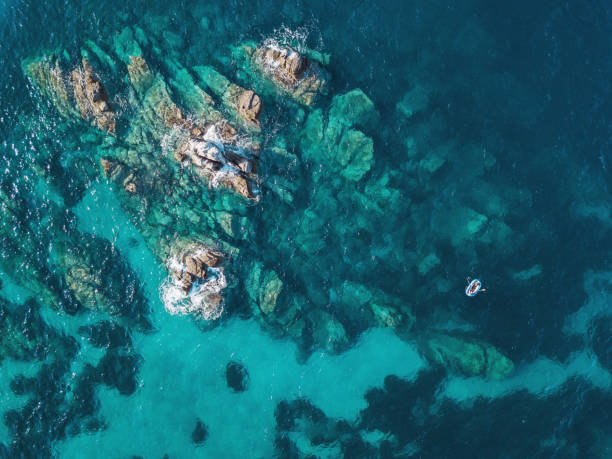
(254, 229)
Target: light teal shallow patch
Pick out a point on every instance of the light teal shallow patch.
(183, 377)
(598, 286)
(541, 377)
(100, 214)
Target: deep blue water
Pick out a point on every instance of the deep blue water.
(491, 127)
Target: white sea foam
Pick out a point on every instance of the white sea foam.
(201, 301)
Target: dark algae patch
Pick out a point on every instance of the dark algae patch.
(237, 377)
(328, 229)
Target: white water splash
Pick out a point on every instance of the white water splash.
(202, 299)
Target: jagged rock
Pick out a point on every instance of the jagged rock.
(91, 98)
(194, 265)
(249, 107)
(287, 64)
(221, 164)
(301, 77)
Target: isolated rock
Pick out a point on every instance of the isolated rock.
(236, 376)
(200, 433)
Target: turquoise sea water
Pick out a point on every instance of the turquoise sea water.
(434, 142)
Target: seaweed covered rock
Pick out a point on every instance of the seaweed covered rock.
(200, 433)
(333, 140)
(100, 278)
(414, 101)
(263, 287)
(467, 357)
(24, 335)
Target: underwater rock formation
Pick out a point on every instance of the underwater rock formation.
(200, 433)
(24, 335)
(334, 140)
(84, 89)
(197, 166)
(468, 357)
(236, 377)
(101, 280)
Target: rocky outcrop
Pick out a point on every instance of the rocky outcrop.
(298, 75)
(91, 98)
(194, 266)
(222, 164)
(196, 281)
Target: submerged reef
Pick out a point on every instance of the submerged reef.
(213, 183)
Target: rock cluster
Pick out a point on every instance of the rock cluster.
(194, 266)
(84, 89)
(299, 76)
(192, 152)
(91, 98)
(221, 163)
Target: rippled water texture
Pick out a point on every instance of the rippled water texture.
(244, 229)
